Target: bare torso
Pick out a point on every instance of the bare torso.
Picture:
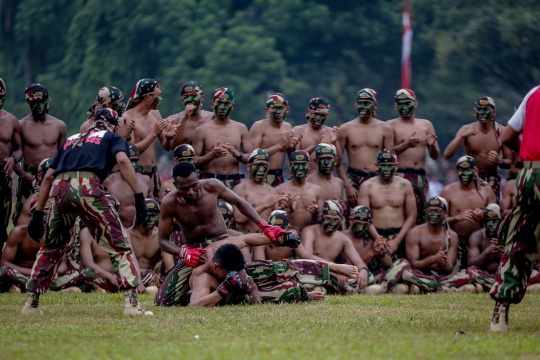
(144, 125)
(414, 157)
(492, 262)
(307, 192)
(255, 194)
(24, 217)
(478, 146)
(361, 246)
(27, 249)
(146, 247)
(387, 202)
(271, 135)
(326, 246)
(193, 122)
(309, 137)
(8, 123)
(331, 186)
(41, 139)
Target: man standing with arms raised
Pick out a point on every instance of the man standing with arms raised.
(411, 137)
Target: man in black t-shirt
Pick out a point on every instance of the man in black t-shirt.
(73, 183)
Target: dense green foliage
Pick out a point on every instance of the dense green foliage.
(304, 48)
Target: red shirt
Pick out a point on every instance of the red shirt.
(527, 121)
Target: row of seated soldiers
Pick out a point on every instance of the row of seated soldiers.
(430, 257)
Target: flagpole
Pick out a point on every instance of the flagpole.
(406, 77)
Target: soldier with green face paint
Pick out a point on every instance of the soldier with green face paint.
(193, 116)
(481, 141)
(275, 136)
(331, 186)
(411, 138)
(41, 137)
(263, 197)
(10, 154)
(432, 252)
(466, 200)
(220, 143)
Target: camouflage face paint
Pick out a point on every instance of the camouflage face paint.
(317, 120)
(484, 114)
(330, 223)
(326, 164)
(119, 107)
(223, 108)
(435, 215)
(299, 170)
(387, 171)
(359, 228)
(465, 176)
(491, 226)
(405, 108)
(258, 171)
(150, 221)
(364, 108)
(156, 102)
(38, 108)
(192, 98)
(277, 113)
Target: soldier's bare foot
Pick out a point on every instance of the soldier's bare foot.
(350, 271)
(316, 295)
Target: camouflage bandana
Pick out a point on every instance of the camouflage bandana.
(223, 94)
(332, 208)
(106, 95)
(325, 149)
(190, 87)
(133, 152)
(114, 202)
(386, 156)
(366, 94)
(485, 101)
(279, 218)
(276, 99)
(361, 213)
(152, 206)
(493, 212)
(299, 155)
(318, 104)
(466, 162)
(184, 151)
(106, 119)
(258, 155)
(2, 87)
(405, 94)
(437, 202)
(226, 211)
(42, 170)
(36, 92)
(143, 88)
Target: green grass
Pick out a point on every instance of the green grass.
(92, 326)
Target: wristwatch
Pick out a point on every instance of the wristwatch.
(240, 154)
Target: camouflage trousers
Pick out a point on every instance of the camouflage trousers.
(24, 190)
(420, 184)
(520, 234)
(229, 180)
(72, 277)
(494, 180)
(275, 177)
(81, 194)
(176, 284)
(5, 206)
(462, 253)
(487, 279)
(152, 172)
(430, 280)
(389, 234)
(357, 177)
(148, 277)
(389, 277)
(10, 276)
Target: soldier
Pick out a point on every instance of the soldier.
(24, 217)
(331, 186)
(74, 184)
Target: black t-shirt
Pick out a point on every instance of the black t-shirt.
(97, 154)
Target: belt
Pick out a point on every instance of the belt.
(531, 164)
(224, 176)
(388, 231)
(412, 171)
(363, 173)
(147, 169)
(207, 241)
(30, 169)
(276, 172)
(76, 175)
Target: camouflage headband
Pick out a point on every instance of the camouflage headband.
(466, 162)
(152, 206)
(493, 211)
(366, 94)
(106, 115)
(108, 95)
(114, 202)
(190, 87)
(36, 92)
(2, 87)
(299, 155)
(279, 218)
(184, 151)
(225, 208)
(405, 94)
(332, 208)
(276, 99)
(437, 202)
(361, 213)
(319, 104)
(386, 156)
(133, 151)
(258, 155)
(485, 101)
(325, 149)
(144, 87)
(223, 94)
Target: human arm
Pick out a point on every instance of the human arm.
(413, 141)
(350, 251)
(16, 154)
(62, 134)
(15, 238)
(203, 158)
(127, 171)
(463, 133)
(201, 291)
(168, 261)
(412, 247)
(431, 141)
(242, 205)
(410, 210)
(510, 138)
(87, 258)
(259, 253)
(165, 225)
(149, 139)
(475, 256)
(506, 202)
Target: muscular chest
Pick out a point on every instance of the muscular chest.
(6, 133)
(382, 196)
(193, 216)
(224, 135)
(465, 200)
(38, 134)
(143, 127)
(310, 136)
(27, 251)
(482, 143)
(431, 245)
(359, 137)
(328, 249)
(271, 136)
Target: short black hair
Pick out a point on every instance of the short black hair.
(230, 258)
(183, 169)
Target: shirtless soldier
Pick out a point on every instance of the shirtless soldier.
(481, 141)
(142, 107)
(466, 200)
(391, 200)
(331, 186)
(10, 154)
(118, 187)
(191, 96)
(41, 137)
(24, 217)
(363, 138)
(273, 135)
(194, 204)
(218, 142)
(432, 252)
(411, 137)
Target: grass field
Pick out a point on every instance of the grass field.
(92, 326)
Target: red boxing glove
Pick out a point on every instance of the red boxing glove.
(190, 255)
(272, 231)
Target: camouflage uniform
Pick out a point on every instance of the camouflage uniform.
(431, 280)
(357, 177)
(81, 193)
(487, 279)
(389, 277)
(494, 180)
(275, 177)
(24, 190)
(229, 180)
(10, 276)
(176, 284)
(520, 235)
(148, 277)
(152, 172)
(5, 198)
(462, 253)
(420, 184)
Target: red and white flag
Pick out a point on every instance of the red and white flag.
(406, 48)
